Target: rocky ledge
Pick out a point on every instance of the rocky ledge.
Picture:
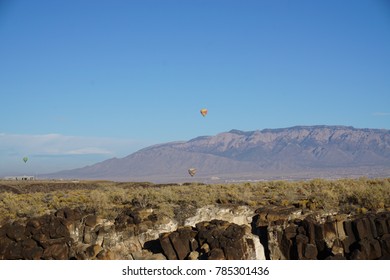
(289, 234)
(234, 233)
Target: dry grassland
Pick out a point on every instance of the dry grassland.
(23, 199)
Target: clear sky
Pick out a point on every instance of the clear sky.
(83, 81)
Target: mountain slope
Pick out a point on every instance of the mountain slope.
(296, 152)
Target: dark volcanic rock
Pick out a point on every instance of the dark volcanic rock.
(57, 251)
(326, 237)
(215, 239)
(289, 234)
(167, 247)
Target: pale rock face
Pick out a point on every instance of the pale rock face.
(240, 215)
(154, 233)
(120, 244)
(256, 251)
(193, 255)
(273, 243)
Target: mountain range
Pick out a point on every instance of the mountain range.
(300, 152)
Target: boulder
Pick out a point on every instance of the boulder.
(34, 253)
(350, 236)
(361, 227)
(287, 242)
(276, 214)
(92, 251)
(106, 255)
(56, 252)
(194, 255)
(15, 231)
(180, 244)
(301, 243)
(310, 252)
(14, 251)
(167, 247)
(381, 225)
(309, 224)
(216, 254)
(385, 246)
(91, 220)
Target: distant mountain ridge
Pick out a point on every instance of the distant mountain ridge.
(298, 152)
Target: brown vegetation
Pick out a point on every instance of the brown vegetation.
(20, 200)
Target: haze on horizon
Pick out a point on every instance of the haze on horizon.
(84, 81)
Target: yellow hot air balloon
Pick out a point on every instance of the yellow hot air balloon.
(203, 112)
(25, 159)
(192, 171)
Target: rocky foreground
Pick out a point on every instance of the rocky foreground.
(214, 233)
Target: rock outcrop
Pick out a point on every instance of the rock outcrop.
(240, 215)
(287, 234)
(74, 234)
(214, 240)
(271, 232)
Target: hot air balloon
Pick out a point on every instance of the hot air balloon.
(25, 159)
(203, 112)
(192, 171)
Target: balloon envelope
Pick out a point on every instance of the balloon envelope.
(203, 112)
(25, 159)
(192, 171)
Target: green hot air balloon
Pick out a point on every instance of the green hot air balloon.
(25, 159)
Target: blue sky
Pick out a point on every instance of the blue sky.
(83, 81)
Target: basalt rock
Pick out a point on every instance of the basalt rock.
(76, 234)
(139, 234)
(322, 235)
(216, 240)
(40, 238)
